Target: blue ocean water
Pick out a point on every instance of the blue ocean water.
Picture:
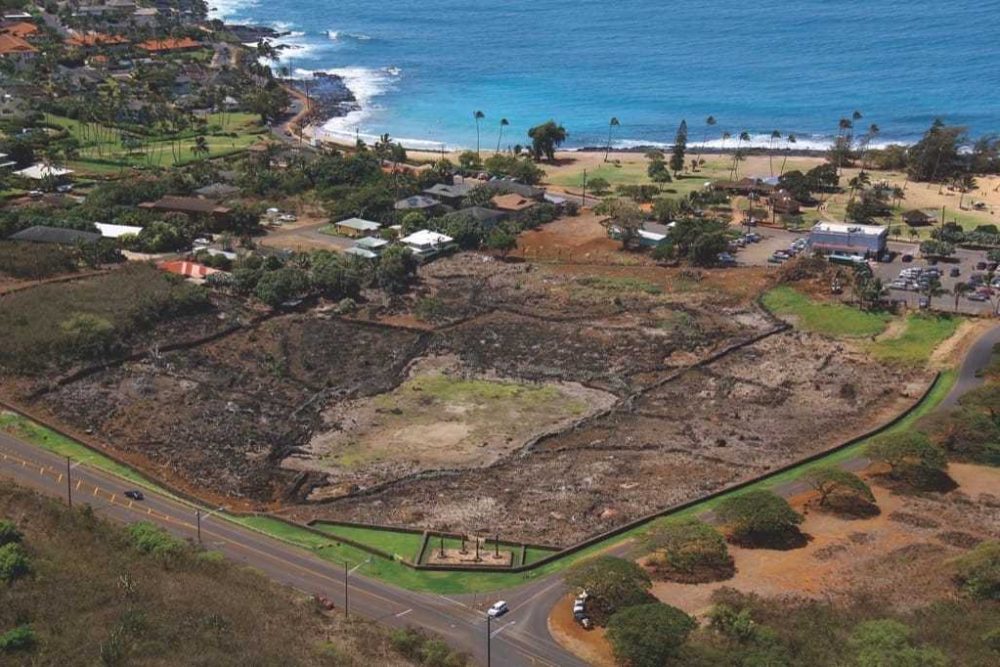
(420, 68)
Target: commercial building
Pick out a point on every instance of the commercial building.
(844, 238)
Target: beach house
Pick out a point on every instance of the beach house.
(356, 227)
(426, 244)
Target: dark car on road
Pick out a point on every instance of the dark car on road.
(955, 272)
(134, 494)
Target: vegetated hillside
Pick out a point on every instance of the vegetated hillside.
(76, 589)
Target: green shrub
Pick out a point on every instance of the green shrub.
(9, 533)
(648, 635)
(151, 539)
(839, 487)
(20, 638)
(13, 562)
(910, 455)
(978, 572)
(887, 642)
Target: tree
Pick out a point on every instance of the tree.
(710, 122)
(469, 161)
(906, 453)
(503, 123)
(20, 638)
(396, 268)
(937, 155)
(332, 277)
(775, 134)
(657, 170)
(611, 583)
(936, 248)
(648, 635)
(282, 285)
(200, 146)
(706, 248)
(759, 516)
(612, 124)
(545, 139)
(978, 571)
(478, 116)
(984, 399)
(624, 220)
(501, 240)
(965, 434)
(789, 140)
(679, 149)
(964, 183)
(960, 289)
(833, 482)
(889, 643)
(689, 550)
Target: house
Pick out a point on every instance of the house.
(109, 231)
(426, 244)
(189, 205)
(145, 16)
(187, 269)
(513, 202)
(451, 194)
(486, 217)
(40, 172)
(20, 29)
(417, 203)
(55, 235)
(356, 227)
(918, 218)
(217, 191)
(782, 201)
(503, 187)
(360, 252)
(844, 238)
(92, 40)
(16, 48)
(744, 186)
(170, 44)
(371, 244)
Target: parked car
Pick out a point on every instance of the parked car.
(924, 303)
(907, 258)
(980, 266)
(134, 494)
(955, 272)
(899, 284)
(498, 609)
(977, 296)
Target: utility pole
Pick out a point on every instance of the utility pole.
(347, 599)
(69, 484)
(488, 641)
(197, 514)
(584, 187)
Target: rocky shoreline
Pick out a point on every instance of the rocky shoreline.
(328, 94)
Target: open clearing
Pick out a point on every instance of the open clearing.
(598, 388)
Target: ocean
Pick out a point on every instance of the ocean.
(420, 69)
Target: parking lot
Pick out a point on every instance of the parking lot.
(964, 262)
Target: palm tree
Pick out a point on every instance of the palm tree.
(200, 146)
(959, 289)
(478, 116)
(725, 138)
(709, 124)
(775, 134)
(790, 139)
(612, 124)
(873, 131)
(503, 123)
(744, 136)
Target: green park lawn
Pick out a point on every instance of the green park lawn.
(832, 319)
(923, 333)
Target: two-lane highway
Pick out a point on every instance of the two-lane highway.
(514, 641)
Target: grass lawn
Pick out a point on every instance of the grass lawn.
(833, 319)
(401, 543)
(105, 154)
(922, 334)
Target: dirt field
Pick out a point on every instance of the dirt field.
(567, 386)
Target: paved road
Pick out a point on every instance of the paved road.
(519, 638)
(976, 359)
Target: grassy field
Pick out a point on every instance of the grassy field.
(455, 582)
(832, 319)
(97, 595)
(400, 543)
(923, 333)
(105, 153)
